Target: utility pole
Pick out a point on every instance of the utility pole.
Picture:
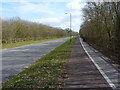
(70, 24)
(70, 27)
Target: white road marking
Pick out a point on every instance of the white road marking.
(41, 44)
(101, 71)
(20, 50)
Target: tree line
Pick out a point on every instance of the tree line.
(18, 30)
(101, 26)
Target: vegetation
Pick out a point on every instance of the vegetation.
(44, 73)
(17, 30)
(101, 26)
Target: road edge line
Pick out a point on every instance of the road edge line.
(100, 70)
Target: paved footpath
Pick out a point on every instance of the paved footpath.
(82, 73)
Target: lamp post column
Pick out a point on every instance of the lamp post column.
(70, 27)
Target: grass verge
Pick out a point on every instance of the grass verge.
(44, 73)
(12, 45)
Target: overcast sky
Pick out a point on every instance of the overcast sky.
(49, 12)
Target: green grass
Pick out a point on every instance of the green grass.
(44, 73)
(12, 45)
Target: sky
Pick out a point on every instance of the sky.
(48, 12)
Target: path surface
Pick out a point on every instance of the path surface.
(15, 60)
(82, 73)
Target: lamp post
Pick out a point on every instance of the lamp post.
(70, 25)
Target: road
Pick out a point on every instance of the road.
(87, 70)
(15, 60)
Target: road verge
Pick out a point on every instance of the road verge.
(12, 45)
(44, 73)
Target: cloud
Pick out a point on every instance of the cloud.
(64, 21)
(29, 7)
(60, 22)
(51, 21)
(75, 5)
(36, 0)
(75, 8)
(25, 7)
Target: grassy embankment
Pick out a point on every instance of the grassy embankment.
(12, 45)
(44, 73)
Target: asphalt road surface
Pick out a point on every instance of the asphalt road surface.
(15, 60)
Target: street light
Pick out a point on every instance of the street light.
(70, 25)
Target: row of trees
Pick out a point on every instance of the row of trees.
(17, 30)
(102, 25)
